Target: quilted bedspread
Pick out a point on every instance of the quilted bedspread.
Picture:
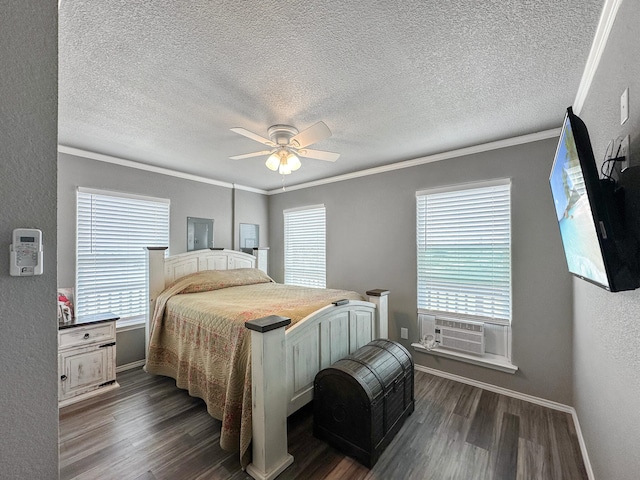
(198, 338)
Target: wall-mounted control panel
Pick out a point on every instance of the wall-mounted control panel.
(26, 252)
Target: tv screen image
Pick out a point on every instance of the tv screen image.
(597, 217)
(574, 211)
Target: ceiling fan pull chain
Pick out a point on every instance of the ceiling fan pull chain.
(283, 186)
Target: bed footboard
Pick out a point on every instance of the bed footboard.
(269, 411)
(306, 348)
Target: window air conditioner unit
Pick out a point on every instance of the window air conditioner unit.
(460, 335)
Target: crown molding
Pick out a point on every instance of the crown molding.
(150, 168)
(484, 147)
(250, 189)
(607, 18)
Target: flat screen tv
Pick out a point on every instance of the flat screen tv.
(590, 213)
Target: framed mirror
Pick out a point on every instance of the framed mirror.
(249, 235)
(199, 233)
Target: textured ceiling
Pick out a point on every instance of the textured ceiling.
(162, 82)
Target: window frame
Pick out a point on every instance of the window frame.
(88, 299)
(456, 314)
(306, 267)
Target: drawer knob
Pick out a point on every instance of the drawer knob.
(63, 377)
(86, 335)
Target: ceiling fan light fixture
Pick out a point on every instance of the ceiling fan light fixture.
(293, 162)
(273, 162)
(284, 169)
(284, 161)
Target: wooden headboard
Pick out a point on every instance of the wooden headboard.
(210, 259)
(162, 271)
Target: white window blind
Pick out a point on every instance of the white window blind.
(112, 231)
(464, 252)
(305, 246)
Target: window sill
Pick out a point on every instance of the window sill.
(488, 360)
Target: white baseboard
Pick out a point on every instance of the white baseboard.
(583, 446)
(521, 396)
(130, 366)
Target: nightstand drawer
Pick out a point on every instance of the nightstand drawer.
(102, 332)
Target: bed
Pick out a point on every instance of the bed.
(249, 347)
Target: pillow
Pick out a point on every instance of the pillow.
(216, 279)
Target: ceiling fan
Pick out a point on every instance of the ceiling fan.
(287, 144)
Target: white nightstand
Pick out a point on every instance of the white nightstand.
(86, 357)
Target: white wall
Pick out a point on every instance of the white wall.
(28, 137)
(607, 325)
(371, 244)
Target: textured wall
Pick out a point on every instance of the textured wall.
(28, 356)
(188, 198)
(607, 325)
(371, 244)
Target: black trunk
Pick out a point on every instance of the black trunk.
(361, 401)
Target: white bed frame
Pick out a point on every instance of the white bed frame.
(312, 344)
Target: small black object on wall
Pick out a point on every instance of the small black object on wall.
(361, 402)
(629, 182)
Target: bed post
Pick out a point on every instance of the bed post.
(268, 394)
(155, 284)
(380, 298)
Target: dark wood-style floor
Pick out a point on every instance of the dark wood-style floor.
(150, 430)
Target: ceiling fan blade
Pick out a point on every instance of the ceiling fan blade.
(253, 136)
(319, 155)
(313, 134)
(249, 155)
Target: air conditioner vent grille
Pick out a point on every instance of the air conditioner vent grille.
(472, 326)
(469, 347)
(461, 335)
(468, 337)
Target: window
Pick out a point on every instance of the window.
(305, 246)
(464, 251)
(112, 231)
